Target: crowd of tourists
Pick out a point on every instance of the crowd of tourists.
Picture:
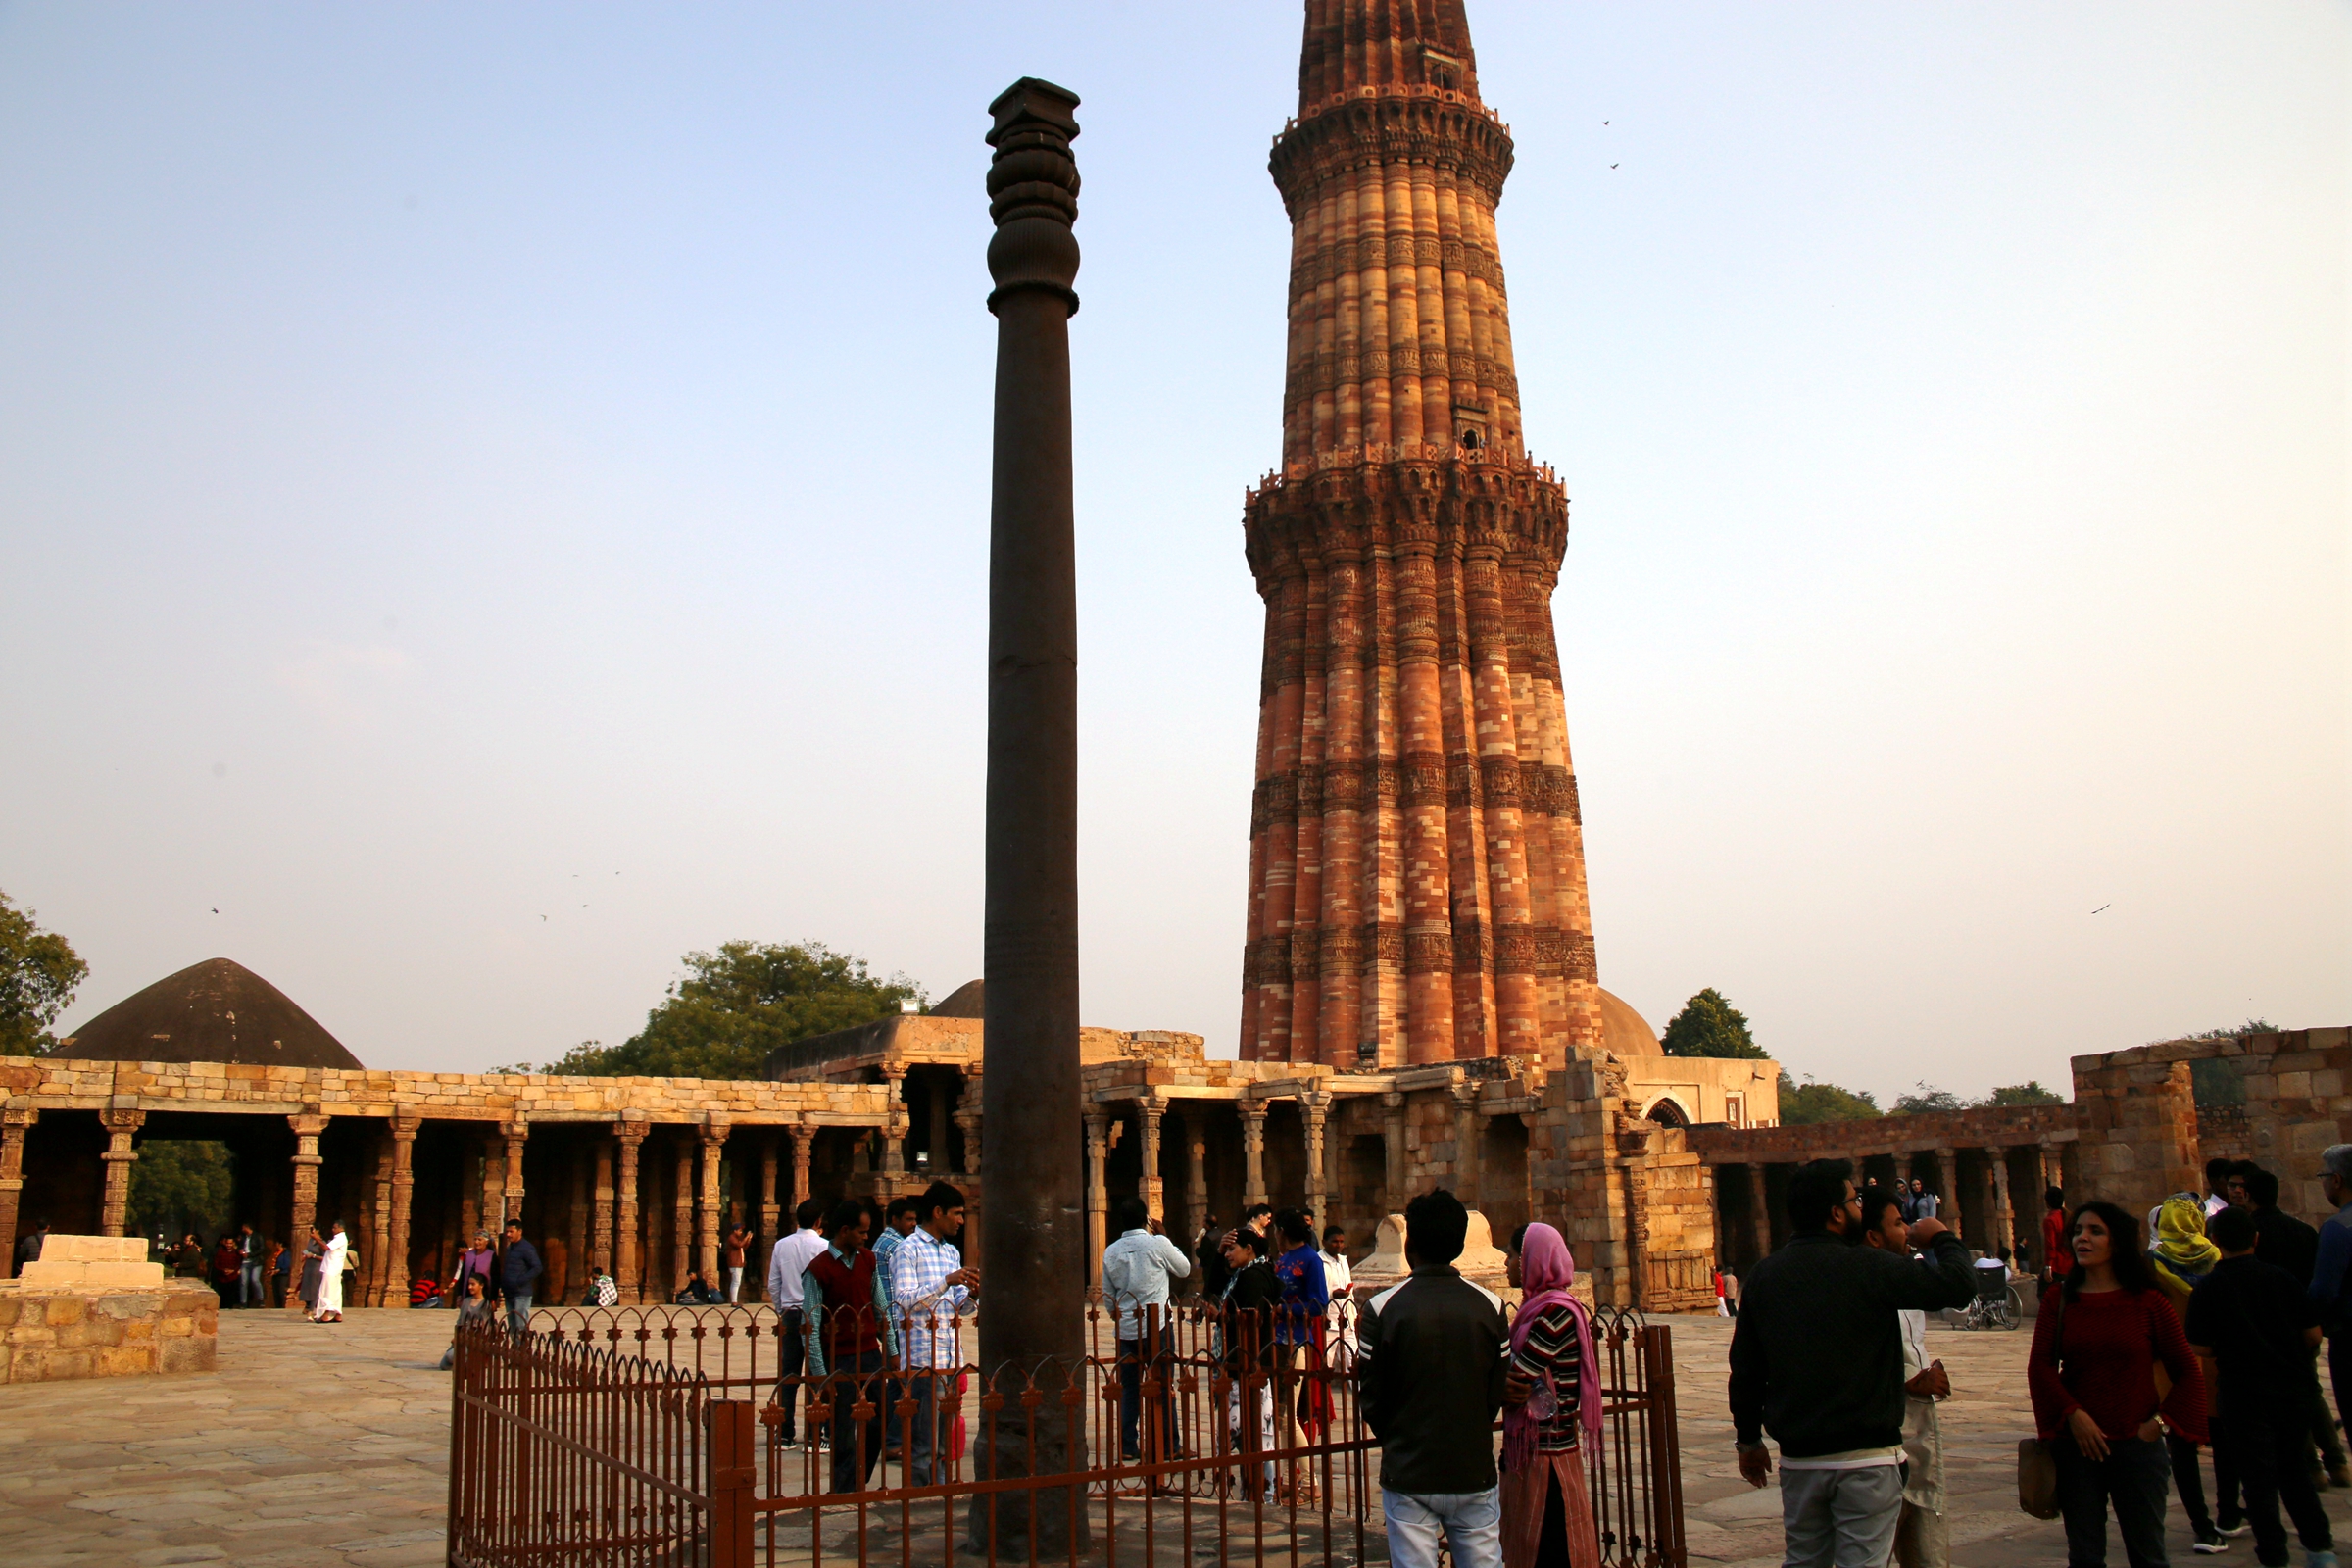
(2163, 1343)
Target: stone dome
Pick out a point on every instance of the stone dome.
(967, 1001)
(217, 1010)
(1625, 1032)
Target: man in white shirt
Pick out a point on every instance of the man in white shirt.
(785, 1265)
(1136, 1271)
(1340, 1279)
(930, 1289)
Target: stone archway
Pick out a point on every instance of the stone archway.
(1667, 1111)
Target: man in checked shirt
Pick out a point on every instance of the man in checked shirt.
(930, 1289)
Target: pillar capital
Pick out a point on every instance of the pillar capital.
(406, 1126)
(515, 1126)
(16, 1114)
(121, 1118)
(716, 1127)
(630, 1134)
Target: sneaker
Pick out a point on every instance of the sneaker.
(2231, 1530)
(2319, 1559)
(2210, 1542)
(790, 1446)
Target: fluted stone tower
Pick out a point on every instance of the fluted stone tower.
(1417, 864)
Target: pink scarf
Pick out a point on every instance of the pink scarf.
(1547, 1268)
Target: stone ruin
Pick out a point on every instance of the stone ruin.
(93, 1306)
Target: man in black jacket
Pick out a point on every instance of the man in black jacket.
(518, 1271)
(2285, 1242)
(2260, 1328)
(1433, 1365)
(1817, 1360)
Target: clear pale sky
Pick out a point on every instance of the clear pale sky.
(494, 498)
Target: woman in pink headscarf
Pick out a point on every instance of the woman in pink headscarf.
(1552, 1412)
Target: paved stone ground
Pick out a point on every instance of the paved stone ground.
(309, 1445)
(327, 1445)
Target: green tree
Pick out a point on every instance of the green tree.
(1923, 1099)
(1710, 1026)
(2028, 1093)
(2216, 1082)
(38, 971)
(737, 1004)
(1807, 1103)
(178, 1186)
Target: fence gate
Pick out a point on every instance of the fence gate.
(561, 1453)
(568, 1449)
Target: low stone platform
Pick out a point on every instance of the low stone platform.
(92, 1307)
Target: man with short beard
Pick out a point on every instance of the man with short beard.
(1817, 1360)
(1921, 1538)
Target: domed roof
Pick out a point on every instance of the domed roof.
(1625, 1032)
(217, 1010)
(967, 1001)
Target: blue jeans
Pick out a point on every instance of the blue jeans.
(1470, 1522)
(518, 1317)
(249, 1283)
(1133, 1365)
(923, 1433)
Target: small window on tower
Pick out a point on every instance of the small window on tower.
(1470, 438)
(1441, 70)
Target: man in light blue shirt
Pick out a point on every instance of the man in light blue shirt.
(931, 1290)
(1136, 1271)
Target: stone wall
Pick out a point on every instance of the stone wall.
(49, 1333)
(2297, 1102)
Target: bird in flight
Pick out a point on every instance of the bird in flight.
(216, 912)
(1612, 166)
(2109, 904)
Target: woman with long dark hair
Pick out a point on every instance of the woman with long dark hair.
(2096, 1346)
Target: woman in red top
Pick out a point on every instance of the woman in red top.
(2055, 1263)
(2096, 1346)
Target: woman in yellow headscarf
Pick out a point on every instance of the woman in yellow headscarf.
(2180, 1259)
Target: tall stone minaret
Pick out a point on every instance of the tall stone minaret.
(1417, 863)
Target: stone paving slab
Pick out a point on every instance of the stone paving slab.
(327, 1445)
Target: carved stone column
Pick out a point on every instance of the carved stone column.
(2052, 1171)
(1760, 1207)
(15, 1123)
(769, 1157)
(893, 1132)
(516, 1133)
(1149, 1112)
(2004, 1231)
(628, 1137)
(1195, 1192)
(967, 1117)
(714, 1141)
(1313, 1106)
(404, 1193)
(494, 1186)
(1254, 1150)
(306, 1192)
(122, 1121)
(377, 1281)
(1467, 1124)
(1395, 1186)
(600, 1247)
(1947, 1201)
(804, 1140)
(1097, 1199)
(682, 1234)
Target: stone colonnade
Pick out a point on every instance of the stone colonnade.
(638, 1176)
(1988, 1168)
(1430, 1134)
